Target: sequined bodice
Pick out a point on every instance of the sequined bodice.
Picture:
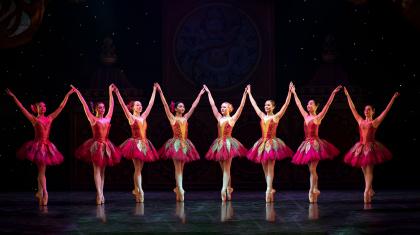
(311, 129)
(268, 128)
(100, 130)
(224, 129)
(180, 129)
(367, 132)
(42, 129)
(138, 129)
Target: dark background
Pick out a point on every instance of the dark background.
(376, 48)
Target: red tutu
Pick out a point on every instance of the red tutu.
(179, 149)
(314, 149)
(225, 148)
(142, 149)
(102, 153)
(371, 153)
(269, 149)
(40, 152)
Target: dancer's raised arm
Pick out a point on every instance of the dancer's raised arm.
(241, 106)
(280, 113)
(124, 107)
(165, 104)
(298, 103)
(60, 108)
(216, 113)
(194, 104)
(254, 103)
(111, 101)
(25, 112)
(151, 102)
(88, 113)
(324, 111)
(381, 117)
(353, 109)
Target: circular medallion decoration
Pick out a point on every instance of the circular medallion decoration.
(217, 45)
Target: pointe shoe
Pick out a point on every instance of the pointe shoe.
(316, 194)
(141, 196)
(98, 200)
(229, 193)
(38, 197)
(138, 196)
(371, 193)
(44, 201)
(367, 198)
(176, 191)
(223, 195)
(103, 200)
(272, 192)
(181, 195)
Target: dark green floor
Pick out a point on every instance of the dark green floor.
(393, 212)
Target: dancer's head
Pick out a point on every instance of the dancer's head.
(269, 106)
(135, 106)
(369, 111)
(226, 108)
(312, 106)
(177, 107)
(99, 108)
(39, 108)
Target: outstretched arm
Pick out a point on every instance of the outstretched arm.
(298, 103)
(111, 101)
(194, 105)
(381, 117)
(165, 104)
(352, 106)
(324, 111)
(88, 113)
(60, 108)
(238, 112)
(151, 102)
(123, 106)
(25, 112)
(216, 113)
(280, 113)
(254, 104)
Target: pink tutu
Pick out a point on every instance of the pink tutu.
(371, 153)
(179, 149)
(102, 153)
(225, 148)
(314, 149)
(40, 152)
(269, 149)
(142, 149)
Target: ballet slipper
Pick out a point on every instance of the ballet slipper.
(141, 196)
(316, 193)
(181, 195)
(102, 199)
(38, 197)
(98, 200)
(272, 192)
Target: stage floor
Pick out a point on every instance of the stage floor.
(337, 212)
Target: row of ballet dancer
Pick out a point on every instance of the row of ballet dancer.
(101, 152)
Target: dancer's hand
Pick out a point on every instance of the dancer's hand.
(396, 94)
(248, 89)
(291, 86)
(337, 89)
(9, 92)
(202, 91)
(346, 92)
(293, 89)
(206, 88)
(155, 86)
(158, 87)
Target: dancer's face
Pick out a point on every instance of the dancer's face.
(180, 108)
(311, 107)
(268, 106)
(369, 112)
(137, 107)
(100, 109)
(225, 109)
(41, 108)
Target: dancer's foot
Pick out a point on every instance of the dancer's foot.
(141, 196)
(44, 201)
(268, 196)
(181, 194)
(38, 197)
(316, 194)
(223, 195)
(272, 192)
(98, 199)
(367, 197)
(229, 193)
(103, 200)
(176, 191)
